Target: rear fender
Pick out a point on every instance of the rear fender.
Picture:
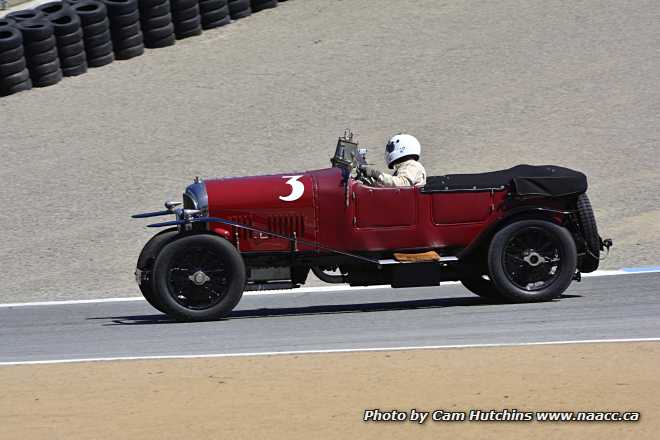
(475, 249)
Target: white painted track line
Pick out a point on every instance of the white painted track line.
(339, 287)
(330, 351)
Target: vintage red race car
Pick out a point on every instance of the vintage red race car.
(519, 235)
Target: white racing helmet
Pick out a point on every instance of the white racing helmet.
(401, 145)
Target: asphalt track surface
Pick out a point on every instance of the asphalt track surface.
(609, 307)
(483, 85)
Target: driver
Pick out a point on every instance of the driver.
(401, 154)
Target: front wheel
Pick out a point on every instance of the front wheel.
(199, 277)
(532, 260)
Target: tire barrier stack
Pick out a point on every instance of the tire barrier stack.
(260, 5)
(127, 39)
(41, 55)
(239, 9)
(14, 75)
(69, 37)
(186, 18)
(96, 31)
(156, 22)
(63, 38)
(215, 13)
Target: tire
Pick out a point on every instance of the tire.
(188, 28)
(481, 287)
(123, 32)
(75, 70)
(539, 268)
(71, 49)
(25, 14)
(54, 9)
(130, 52)
(98, 28)
(146, 262)
(13, 67)
(73, 61)
(65, 23)
(97, 40)
(120, 7)
(40, 46)
(260, 5)
(40, 70)
(211, 5)
(149, 4)
(184, 300)
(239, 9)
(590, 260)
(20, 87)
(101, 50)
(10, 81)
(73, 37)
(42, 58)
(6, 22)
(35, 30)
(156, 22)
(155, 11)
(124, 19)
(163, 42)
(11, 55)
(128, 43)
(159, 33)
(10, 38)
(101, 61)
(177, 5)
(185, 14)
(215, 24)
(90, 12)
(48, 80)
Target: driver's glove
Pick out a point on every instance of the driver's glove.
(370, 171)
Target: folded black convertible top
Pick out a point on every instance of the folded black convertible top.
(542, 180)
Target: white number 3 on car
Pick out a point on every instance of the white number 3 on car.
(297, 188)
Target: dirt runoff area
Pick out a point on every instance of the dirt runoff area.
(326, 395)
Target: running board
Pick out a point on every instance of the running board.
(393, 261)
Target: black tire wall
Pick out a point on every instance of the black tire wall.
(14, 75)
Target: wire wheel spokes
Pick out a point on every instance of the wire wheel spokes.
(531, 258)
(198, 278)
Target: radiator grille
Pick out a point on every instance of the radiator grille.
(244, 220)
(287, 225)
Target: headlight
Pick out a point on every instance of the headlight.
(195, 197)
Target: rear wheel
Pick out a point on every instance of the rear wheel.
(532, 260)
(199, 277)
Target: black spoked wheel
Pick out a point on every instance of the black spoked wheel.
(199, 277)
(532, 260)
